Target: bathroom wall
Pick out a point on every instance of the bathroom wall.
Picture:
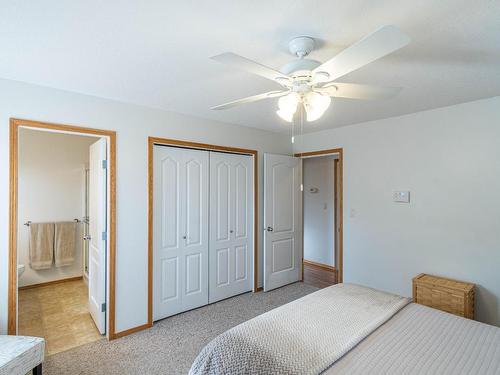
(318, 210)
(51, 188)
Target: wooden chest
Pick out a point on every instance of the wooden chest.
(448, 295)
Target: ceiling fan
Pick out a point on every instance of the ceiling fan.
(312, 84)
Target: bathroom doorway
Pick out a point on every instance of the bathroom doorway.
(62, 237)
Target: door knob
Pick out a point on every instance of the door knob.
(87, 238)
(184, 237)
(269, 229)
(231, 231)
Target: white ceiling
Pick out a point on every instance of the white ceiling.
(156, 53)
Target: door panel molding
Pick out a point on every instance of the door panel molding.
(283, 199)
(223, 181)
(240, 229)
(200, 146)
(170, 199)
(170, 265)
(241, 262)
(15, 124)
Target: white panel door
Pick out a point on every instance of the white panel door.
(180, 230)
(282, 220)
(97, 227)
(231, 225)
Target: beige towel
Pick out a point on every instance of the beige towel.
(64, 243)
(41, 245)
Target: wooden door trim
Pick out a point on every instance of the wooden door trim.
(336, 225)
(340, 256)
(15, 124)
(208, 147)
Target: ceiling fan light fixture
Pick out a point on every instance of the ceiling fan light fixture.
(287, 116)
(288, 106)
(315, 105)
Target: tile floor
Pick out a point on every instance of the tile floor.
(58, 313)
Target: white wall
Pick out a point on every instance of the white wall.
(51, 188)
(449, 158)
(318, 210)
(133, 125)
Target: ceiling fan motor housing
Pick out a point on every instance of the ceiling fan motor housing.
(301, 69)
(301, 46)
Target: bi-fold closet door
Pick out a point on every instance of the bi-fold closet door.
(180, 230)
(202, 228)
(231, 225)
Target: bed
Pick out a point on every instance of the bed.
(351, 329)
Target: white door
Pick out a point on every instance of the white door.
(97, 233)
(180, 230)
(231, 225)
(282, 220)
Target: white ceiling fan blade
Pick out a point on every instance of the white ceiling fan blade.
(382, 42)
(251, 99)
(357, 91)
(250, 66)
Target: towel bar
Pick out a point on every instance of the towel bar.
(29, 222)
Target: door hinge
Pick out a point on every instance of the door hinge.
(103, 307)
(104, 164)
(104, 236)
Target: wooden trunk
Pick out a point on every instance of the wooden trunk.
(455, 297)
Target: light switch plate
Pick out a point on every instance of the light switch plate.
(401, 196)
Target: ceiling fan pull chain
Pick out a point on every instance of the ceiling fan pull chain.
(301, 126)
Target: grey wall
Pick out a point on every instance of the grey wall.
(133, 125)
(449, 158)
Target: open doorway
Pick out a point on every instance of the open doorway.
(320, 219)
(284, 221)
(59, 234)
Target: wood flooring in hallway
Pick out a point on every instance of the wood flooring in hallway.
(318, 277)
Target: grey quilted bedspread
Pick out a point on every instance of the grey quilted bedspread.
(302, 337)
(419, 340)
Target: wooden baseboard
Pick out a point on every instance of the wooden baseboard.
(117, 335)
(76, 278)
(325, 267)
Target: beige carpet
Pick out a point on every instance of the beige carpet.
(171, 345)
